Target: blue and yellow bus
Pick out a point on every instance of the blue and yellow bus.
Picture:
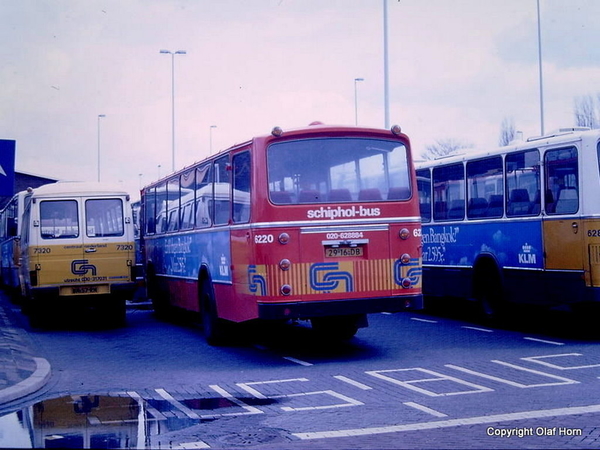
(518, 224)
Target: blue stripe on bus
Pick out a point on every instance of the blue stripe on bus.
(514, 244)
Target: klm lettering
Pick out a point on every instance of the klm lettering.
(527, 256)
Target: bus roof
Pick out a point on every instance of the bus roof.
(558, 137)
(70, 188)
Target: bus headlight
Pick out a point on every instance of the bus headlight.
(405, 258)
(284, 238)
(285, 264)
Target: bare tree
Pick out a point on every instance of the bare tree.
(587, 110)
(507, 131)
(443, 147)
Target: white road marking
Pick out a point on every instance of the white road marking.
(543, 341)
(354, 383)
(437, 377)
(297, 361)
(433, 412)
(479, 420)
(423, 320)
(348, 401)
(479, 329)
(536, 359)
(257, 394)
(231, 398)
(180, 406)
(514, 383)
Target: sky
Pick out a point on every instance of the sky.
(457, 69)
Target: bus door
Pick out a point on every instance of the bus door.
(563, 236)
(108, 244)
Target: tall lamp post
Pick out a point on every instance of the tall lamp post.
(100, 116)
(210, 137)
(539, 30)
(356, 80)
(386, 69)
(168, 52)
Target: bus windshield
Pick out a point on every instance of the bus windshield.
(335, 170)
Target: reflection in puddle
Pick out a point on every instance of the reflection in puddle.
(94, 421)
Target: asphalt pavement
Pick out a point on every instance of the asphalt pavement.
(21, 372)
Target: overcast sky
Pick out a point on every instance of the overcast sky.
(457, 69)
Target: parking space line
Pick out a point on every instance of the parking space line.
(433, 412)
(348, 401)
(536, 359)
(543, 341)
(352, 382)
(417, 319)
(479, 420)
(180, 406)
(231, 398)
(478, 329)
(297, 361)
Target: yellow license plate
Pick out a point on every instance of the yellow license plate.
(343, 252)
(85, 290)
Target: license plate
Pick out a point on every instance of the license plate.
(83, 290)
(343, 252)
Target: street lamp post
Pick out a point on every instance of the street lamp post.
(386, 69)
(100, 116)
(539, 27)
(178, 52)
(210, 137)
(356, 80)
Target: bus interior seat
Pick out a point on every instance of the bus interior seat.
(369, 194)
(519, 203)
(309, 196)
(478, 207)
(568, 201)
(457, 209)
(280, 197)
(339, 195)
(398, 193)
(495, 206)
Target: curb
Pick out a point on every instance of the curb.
(33, 383)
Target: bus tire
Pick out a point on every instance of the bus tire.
(488, 292)
(157, 295)
(213, 327)
(341, 328)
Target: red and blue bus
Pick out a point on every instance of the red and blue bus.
(320, 223)
(515, 225)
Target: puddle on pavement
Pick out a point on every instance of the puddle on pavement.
(127, 421)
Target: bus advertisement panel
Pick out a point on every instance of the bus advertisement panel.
(518, 224)
(320, 223)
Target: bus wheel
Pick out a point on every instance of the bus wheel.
(488, 293)
(159, 302)
(337, 327)
(214, 328)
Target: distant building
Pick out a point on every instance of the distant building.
(25, 180)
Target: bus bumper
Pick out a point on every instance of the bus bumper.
(307, 310)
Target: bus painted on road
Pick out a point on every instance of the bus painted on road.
(77, 249)
(516, 224)
(319, 223)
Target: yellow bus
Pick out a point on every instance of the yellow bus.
(77, 249)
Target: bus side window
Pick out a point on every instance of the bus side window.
(523, 183)
(424, 186)
(241, 187)
(449, 192)
(220, 206)
(484, 182)
(562, 181)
